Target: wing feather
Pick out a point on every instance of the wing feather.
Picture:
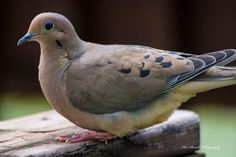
(124, 78)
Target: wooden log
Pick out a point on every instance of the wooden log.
(34, 136)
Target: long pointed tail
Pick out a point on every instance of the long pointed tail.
(214, 77)
(218, 73)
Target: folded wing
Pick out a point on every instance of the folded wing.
(125, 78)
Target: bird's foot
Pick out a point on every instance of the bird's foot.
(86, 136)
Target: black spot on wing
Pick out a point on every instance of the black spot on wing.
(146, 56)
(125, 71)
(144, 73)
(166, 64)
(159, 59)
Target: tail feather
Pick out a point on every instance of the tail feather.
(224, 57)
(217, 73)
(203, 63)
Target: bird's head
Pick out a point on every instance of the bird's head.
(51, 29)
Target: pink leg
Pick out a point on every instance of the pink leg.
(86, 136)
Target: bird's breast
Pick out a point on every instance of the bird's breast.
(51, 80)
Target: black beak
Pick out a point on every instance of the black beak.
(25, 38)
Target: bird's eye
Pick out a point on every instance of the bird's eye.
(48, 26)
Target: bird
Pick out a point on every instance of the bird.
(114, 90)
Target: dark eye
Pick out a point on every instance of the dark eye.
(48, 26)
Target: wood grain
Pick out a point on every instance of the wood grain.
(34, 136)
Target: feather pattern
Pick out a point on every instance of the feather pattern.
(126, 78)
(119, 88)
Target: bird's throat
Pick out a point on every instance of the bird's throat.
(51, 77)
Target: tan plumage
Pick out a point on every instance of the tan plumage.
(119, 88)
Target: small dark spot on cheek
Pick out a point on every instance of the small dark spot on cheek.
(59, 43)
(61, 31)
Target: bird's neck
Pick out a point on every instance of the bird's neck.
(52, 69)
(54, 62)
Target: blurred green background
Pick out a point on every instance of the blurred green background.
(195, 26)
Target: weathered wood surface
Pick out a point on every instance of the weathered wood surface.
(34, 136)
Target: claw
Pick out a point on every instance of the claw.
(86, 136)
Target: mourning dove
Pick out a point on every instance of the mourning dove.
(114, 90)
